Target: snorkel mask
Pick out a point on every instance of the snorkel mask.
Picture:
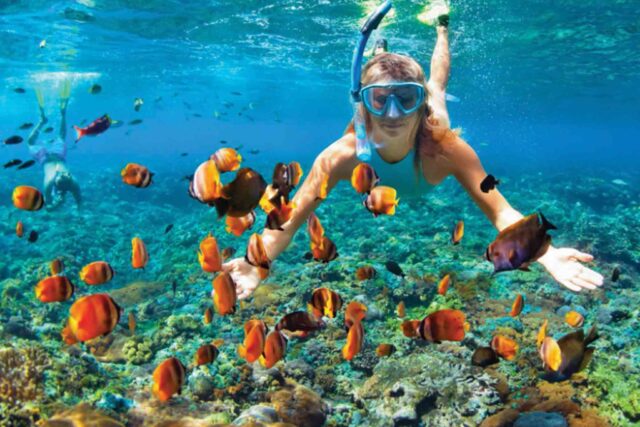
(363, 147)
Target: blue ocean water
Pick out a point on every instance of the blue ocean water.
(549, 98)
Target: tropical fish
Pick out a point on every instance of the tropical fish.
(484, 356)
(209, 255)
(227, 252)
(281, 213)
(385, 350)
(19, 90)
(12, 163)
(401, 310)
(139, 254)
(226, 159)
(355, 340)
(237, 226)
(254, 151)
(256, 253)
(381, 200)
(355, 312)
(410, 328)
(457, 233)
(206, 354)
(443, 325)
(168, 228)
(394, 268)
(137, 103)
(131, 321)
(184, 154)
(168, 379)
(615, 275)
(286, 177)
(542, 333)
(444, 284)
(27, 164)
(242, 195)
(208, 316)
(550, 354)
(96, 127)
(504, 347)
(48, 130)
(574, 319)
(56, 266)
(205, 185)
(12, 140)
(364, 178)
(325, 302)
(325, 252)
(26, 126)
(315, 230)
(300, 321)
(33, 236)
(135, 122)
(520, 244)
(365, 273)
(275, 347)
(488, 183)
(54, 289)
(516, 307)
(255, 332)
(95, 89)
(19, 229)
(224, 294)
(96, 273)
(43, 44)
(323, 190)
(91, 317)
(269, 199)
(27, 198)
(136, 175)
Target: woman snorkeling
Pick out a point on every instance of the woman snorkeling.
(58, 180)
(403, 112)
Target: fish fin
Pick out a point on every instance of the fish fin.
(546, 225)
(79, 132)
(222, 207)
(586, 358)
(242, 351)
(591, 336)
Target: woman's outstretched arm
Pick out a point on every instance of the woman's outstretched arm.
(335, 162)
(439, 75)
(564, 264)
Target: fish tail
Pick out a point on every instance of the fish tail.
(242, 351)
(591, 336)
(80, 133)
(546, 225)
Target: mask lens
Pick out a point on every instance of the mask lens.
(407, 97)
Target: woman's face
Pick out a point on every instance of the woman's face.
(394, 124)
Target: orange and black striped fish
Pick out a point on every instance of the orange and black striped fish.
(168, 379)
(275, 347)
(205, 185)
(209, 255)
(355, 340)
(315, 230)
(256, 253)
(504, 347)
(457, 233)
(381, 201)
(90, 317)
(323, 190)
(570, 354)
(300, 321)
(325, 302)
(242, 195)
(206, 354)
(56, 266)
(542, 333)
(237, 226)
(443, 325)
(325, 252)
(224, 294)
(355, 312)
(255, 332)
(267, 201)
(136, 175)
(365, 273)
(516, 307)
(27, 198)
(385, 350)
(444, 284)
(286, 177)
(19, 229)
(364, 178)
(280, 214)
(96, 273)
(550, 354)
(132, 323)
(226, 159)
(54, 289)
(208, 316)
(574, 319)
(410, 328)
(139, 254)
(401, 310)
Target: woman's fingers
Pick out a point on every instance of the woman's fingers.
(583, 283)
(591, 276)
(569, 285)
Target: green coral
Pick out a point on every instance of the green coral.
(618, 394)
(138, 350)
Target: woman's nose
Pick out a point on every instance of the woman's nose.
(392, 111)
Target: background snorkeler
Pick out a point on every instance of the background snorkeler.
(51, 154)
(398, 123)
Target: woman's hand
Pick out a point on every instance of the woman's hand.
(245, 276)
(564, 264)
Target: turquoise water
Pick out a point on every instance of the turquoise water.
(548, 99)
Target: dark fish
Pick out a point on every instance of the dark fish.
(520, 244)
(222, 141)
(188, 177)
(33, 236)
(27, 164)
(19, 90)
(254, 151)
(11, 163)
(174, 287)
(15, 139)
(135, 122)
(308, 256)
(576, 354)
(95, 89)
(614, 276)
(393, 267)
(168, 229)
(48, 130)
(239, 147)
(242, 195)
(236, 93)
(26, 126)
(489, 183)
(184, 154)
(484, 356)
(299, 321)
(197, 115)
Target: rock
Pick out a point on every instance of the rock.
(540, 419)
(17, 327)
(114, 402)
(257, 414)
(201, 385)
(504, 418)
(82, 415)
(300, 406)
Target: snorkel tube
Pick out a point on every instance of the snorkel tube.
(363, 148)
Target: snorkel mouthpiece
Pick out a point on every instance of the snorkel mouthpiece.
(363, 148)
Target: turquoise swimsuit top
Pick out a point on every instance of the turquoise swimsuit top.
(399, 175)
